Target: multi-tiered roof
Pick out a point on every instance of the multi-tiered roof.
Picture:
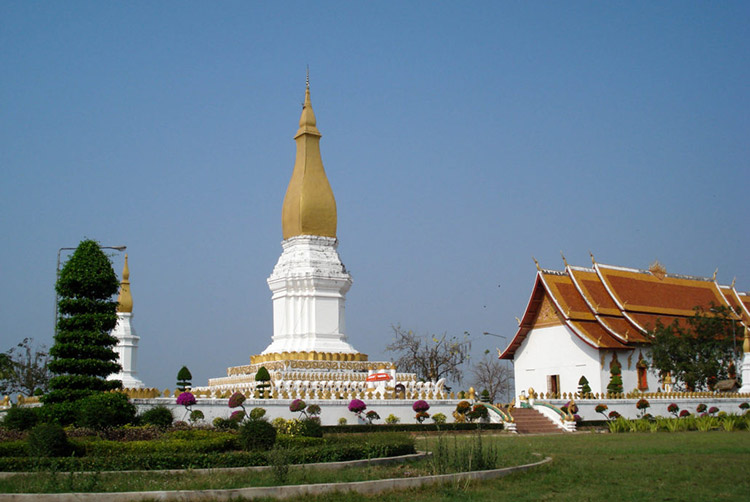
(612, 307)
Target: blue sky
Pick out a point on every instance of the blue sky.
(460, 139)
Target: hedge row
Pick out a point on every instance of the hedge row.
(300, 450)
(337, 429)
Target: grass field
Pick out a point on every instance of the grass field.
(636, 466)
(687, 466)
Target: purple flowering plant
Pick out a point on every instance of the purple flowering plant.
(420, 405)
(712, 410)
(357, 406)
(186, 399)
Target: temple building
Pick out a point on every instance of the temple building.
(310, 353)
(579, 322)
(127, 340)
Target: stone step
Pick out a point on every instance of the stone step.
(530, 421)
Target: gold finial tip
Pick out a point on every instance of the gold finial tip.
(563, 257)
(536, 263)
(715, 272)
(593, 261)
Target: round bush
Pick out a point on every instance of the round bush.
(58, 413)
(160, 416)
(311, 428)
(257, 435)
(48, 440)
(225, 424)
(103, 410)
(20, 419)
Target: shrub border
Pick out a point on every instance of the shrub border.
(288, 491)
(321, 466)
(337, 429)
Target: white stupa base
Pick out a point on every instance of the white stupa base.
(127, 351)
(309, 285)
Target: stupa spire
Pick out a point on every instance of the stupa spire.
(124, 299)
(309, 206)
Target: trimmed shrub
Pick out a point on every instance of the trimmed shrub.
(257, 435)
(160, 416)
(311, 428)
(105, 409)
(58, 413)
(439, 418)
(48, 440)
(20, 419)
(225, 424)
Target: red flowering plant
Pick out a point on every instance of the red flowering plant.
(235, 401)
(298, 406)
(684, 413)
(186, 399)
(701, 408)
(421, 408)
(642, 405)
(673, 409)
(712, 410)
(601, 408)
(357, 406)
(478, 412)
(613, 415)
(745, 407)
(371, 416)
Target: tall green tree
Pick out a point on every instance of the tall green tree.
(700, 350)
(82, 354)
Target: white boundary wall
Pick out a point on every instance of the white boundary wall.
(626, 407)
(331, 409)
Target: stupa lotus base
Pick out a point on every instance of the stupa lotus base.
(323, 376)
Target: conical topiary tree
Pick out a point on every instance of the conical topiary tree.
(184, 379)
(82, 354)
(262, 377)
(615, 379)
(583, 386)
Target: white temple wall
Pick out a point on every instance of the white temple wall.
(331, 410)
(555, 350)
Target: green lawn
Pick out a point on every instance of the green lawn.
(632, 466)
(686, 466)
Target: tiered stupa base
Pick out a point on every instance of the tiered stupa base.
(317, 375)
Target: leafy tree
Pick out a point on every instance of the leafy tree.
(698, 351)
(430, 357)
(24, 369)
(83, 355)
(615, 378)
(583, 386)
(184, 379)
(493, 376)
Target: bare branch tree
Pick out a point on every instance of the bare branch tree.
(495, 377)
(429, 356)
(24, 369)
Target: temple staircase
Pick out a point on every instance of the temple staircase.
(530, 421)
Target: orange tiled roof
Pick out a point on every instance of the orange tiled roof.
(639, 291)
(613, 307)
